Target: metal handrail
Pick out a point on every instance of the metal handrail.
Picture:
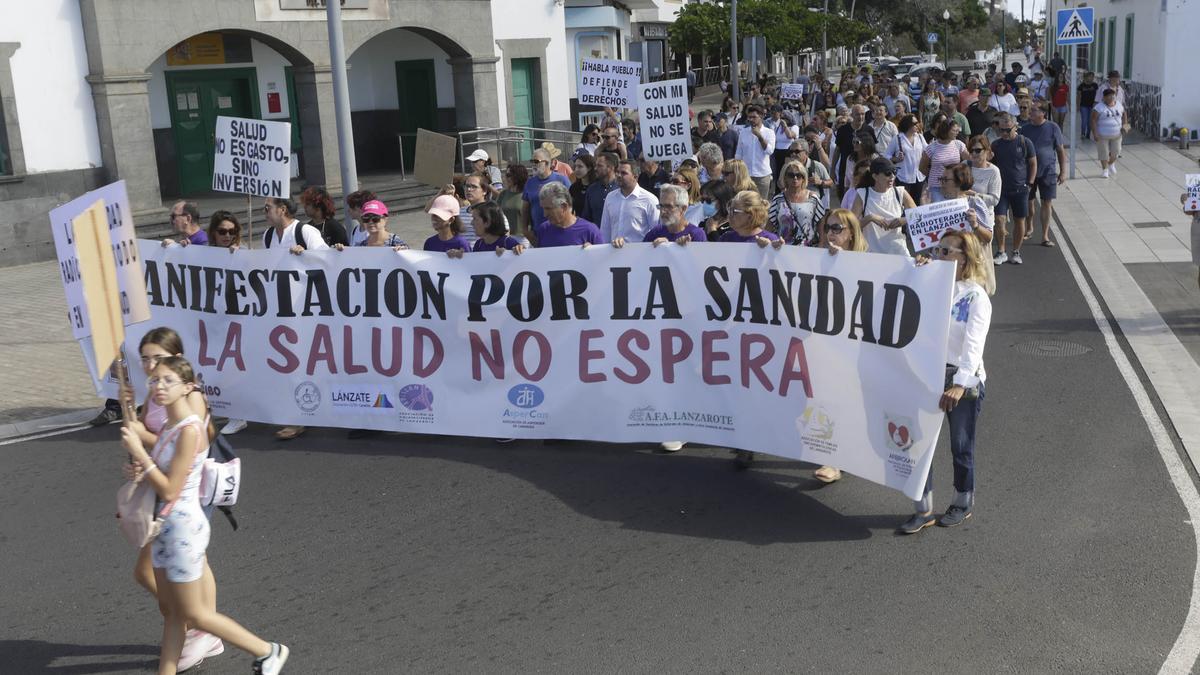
(504, 136)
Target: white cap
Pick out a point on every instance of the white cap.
(478, 155)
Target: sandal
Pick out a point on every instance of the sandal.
(1049, 244)
(288, 433)
(828, 474)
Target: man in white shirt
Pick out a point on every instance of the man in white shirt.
(631, 211)
(1039, 86)
(883, 128)
(754, 148)
(280, 214)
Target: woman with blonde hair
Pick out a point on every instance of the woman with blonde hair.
(795, 210)
(970, 318)
(737, 174)
(687, 178)
(748, 220)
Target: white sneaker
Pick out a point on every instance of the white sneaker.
(1000, 258)
(272, 663)
(198, 646)
(672, 446)
(1105, 174)
(1112, 169)
(233, 426)
(1016, 258)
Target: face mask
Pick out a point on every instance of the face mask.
(709, 209)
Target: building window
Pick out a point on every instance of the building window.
(6, 168)
(1112, 45)
(1128, 72)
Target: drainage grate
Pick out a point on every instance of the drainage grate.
(1153, 223)
(1051, 348)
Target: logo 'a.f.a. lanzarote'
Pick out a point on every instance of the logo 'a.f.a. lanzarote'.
(900, 432)
(526, 396)
(308, 397)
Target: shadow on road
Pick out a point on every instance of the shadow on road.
(35, 657)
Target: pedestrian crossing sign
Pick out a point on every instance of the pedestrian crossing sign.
(931, 38)
(1075, 26)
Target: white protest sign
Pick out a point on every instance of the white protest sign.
(837, 360)
(663, 110)
(791, 92)
(927, 224)
(611, 84)
(130, 281)
(1192, 202)
(252, 157)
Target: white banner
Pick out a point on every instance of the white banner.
(836, 360)
(663, 111)
(125, 250)
(791, 92)
(1192, 202)
(252, 157)
(611, 84)
(927, 224)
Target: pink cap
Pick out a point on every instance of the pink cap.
(376, 207)
(445, 207)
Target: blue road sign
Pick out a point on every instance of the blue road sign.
(1075, 26)
(931, 38)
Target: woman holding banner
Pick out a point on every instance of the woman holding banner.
(970, 319)
(225, 231)
(374, 220)
(795, 211)
(715, 196)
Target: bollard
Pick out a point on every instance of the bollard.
(1185, 138)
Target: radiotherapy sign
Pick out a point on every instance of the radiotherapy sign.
(836, 360)
(252, 157)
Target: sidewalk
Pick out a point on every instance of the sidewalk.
(1134, 240)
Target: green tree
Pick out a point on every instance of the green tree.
(788, 26)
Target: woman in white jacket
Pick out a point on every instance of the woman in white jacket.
(970, 318)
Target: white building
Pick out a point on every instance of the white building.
(1150, 43)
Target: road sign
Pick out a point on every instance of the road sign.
(1075, 26)
(931, 38)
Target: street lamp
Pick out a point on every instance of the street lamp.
(946, 18)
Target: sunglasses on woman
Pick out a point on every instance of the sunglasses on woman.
(834, 228)
(227, 231)
(943, 251)
(367, 220)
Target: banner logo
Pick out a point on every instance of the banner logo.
(308, 397)
(416, 397)
(815, 426)
(526, 396)
(899, 432)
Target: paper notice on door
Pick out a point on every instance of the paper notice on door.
(193, 101)
(224, 102)
(181, 102)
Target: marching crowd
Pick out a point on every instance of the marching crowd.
(836, 169)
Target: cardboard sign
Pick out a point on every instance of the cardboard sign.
(101, 292)
(663, 111)
(1192, 202)
(791, 92)
(120, 238)
(434, 160)
(611, 84)
(927, 224)
(252, 157)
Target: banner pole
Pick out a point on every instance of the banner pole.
(249, 221)
(1074, 109)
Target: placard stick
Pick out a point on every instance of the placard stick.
(249, 221)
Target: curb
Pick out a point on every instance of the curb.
(43, 424)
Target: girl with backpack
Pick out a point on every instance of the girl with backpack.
(880, 208)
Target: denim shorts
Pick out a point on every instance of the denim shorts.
(1046, 186)
(1016, 200)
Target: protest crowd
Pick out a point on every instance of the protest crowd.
(957, 168)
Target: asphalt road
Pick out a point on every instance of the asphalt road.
(422, 554)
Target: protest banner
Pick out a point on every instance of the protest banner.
(791, 92)
(1192, 201)
(120, 237)
(609, 84)
(663, 112)
(252, 157)
(832, 359)
(433, 162)
(927, 224)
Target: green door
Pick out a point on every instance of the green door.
(416, 89)
(196, 99)
(526, 95)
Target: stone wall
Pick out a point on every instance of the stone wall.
(25, 203)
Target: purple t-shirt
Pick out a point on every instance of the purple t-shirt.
(549, 236)
(661, 231)
(198, 237)
(530, 194)
(436, 244)
(733, 236)
(503, 242)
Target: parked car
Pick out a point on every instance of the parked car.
(864, 57)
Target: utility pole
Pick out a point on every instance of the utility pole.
(1004, 40)
(341, 97)
(733, 54)
(824, 37)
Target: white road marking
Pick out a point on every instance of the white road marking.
(1186, 649)
(48, 434)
